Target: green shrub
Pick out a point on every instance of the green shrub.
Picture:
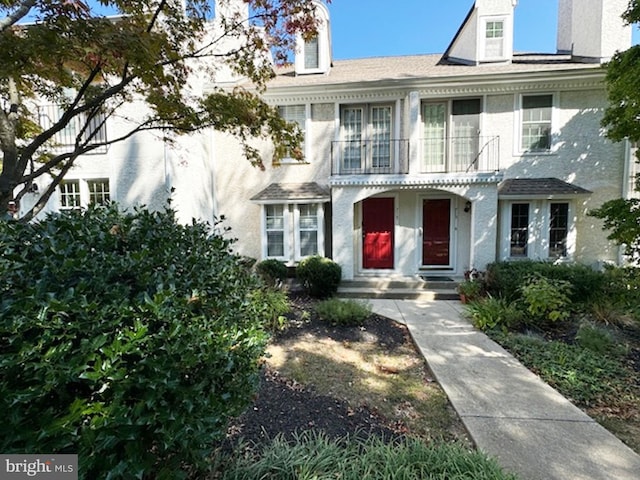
(546, 300)
(272, 271)
(314, 456)
(490, 312)
(343, 312)
(127, 339)
(271, 305)
(598, 339)
(506, 279)
(319, 276)
(470, 289)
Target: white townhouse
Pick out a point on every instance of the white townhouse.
(436, 164)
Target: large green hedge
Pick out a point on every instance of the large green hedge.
(125, 338)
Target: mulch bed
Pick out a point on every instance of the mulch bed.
(284, 407)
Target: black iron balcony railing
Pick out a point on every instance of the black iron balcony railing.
(460, 154)
(358, 157)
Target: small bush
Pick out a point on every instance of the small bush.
(343, 312)
(546, 300)
(272, 306)
(319, 276)
(490, 313)
(314, 456)
(598, 339)
(272, 271)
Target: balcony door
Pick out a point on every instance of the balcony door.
(436, 232)
(465, 128)
(365, 135)
(377, 233)
(450, 140)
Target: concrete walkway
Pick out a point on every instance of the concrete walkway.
(509, 412)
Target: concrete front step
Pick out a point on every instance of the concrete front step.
(408, 289)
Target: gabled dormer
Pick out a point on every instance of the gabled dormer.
(486, 35)
(314, 55)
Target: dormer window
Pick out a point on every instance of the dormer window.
(494, 39)
(313, 55)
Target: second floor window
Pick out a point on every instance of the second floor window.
(295, 114)
(80, 129)
(536, 123)
(365, 134)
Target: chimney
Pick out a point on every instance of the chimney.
(592, 31)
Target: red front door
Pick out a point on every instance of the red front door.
(377, 233)
(436, 227)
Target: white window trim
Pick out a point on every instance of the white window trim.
(517, 125)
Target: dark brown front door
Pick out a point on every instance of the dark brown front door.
(377, 232)
(436, 228)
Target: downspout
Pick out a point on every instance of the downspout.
(627, 184)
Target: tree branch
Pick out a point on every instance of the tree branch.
(20, 13)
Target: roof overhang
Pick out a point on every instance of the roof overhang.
(308, 192)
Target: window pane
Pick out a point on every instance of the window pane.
(308, 243)
(308, 217)
(275, 244)
(558, 229)
(519, 229)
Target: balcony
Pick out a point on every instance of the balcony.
(370, 157)
(473, 154)
(460, 155)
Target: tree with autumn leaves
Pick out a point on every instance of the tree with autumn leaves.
(69, 53)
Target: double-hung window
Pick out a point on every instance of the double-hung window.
(312, 53)
(366, 144)
(536, 117)
(494, 39)
(294, 114)
(293, 231)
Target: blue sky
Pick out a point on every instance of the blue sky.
(366, 28)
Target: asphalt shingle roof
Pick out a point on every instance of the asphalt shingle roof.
(535, 187)
(292, 191)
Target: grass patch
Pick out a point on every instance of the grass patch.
(394, 382)
(313, 456)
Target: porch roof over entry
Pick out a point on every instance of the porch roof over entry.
(520, 188)
(309, 192)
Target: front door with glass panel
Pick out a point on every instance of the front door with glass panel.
(377, 233)
(436, 236)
